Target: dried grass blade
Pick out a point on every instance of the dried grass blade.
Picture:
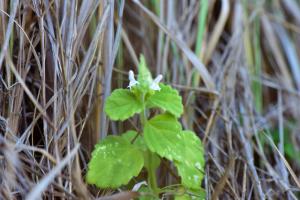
(190, 55)
(37, 191)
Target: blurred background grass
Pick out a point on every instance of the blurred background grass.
(236, 64)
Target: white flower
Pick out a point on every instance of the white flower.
(132, 81)
(154, 85)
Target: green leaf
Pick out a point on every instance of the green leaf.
(167, 99)
(114, 162)
(144, 76)
(192, 167)
(191, 177)
(162, 136)
(193, 148)
(122, 104)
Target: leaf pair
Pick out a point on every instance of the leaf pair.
(117, 159)
(124, 103)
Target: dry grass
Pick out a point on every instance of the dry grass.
(236, 63)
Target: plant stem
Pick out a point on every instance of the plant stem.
(151, 169)
(143, 116)
(152, 175)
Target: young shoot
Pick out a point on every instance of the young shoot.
(116, 160)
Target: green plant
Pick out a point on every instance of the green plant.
(117, 159)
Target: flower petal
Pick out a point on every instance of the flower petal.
(158, 79)
(155, 84)
(132, 81)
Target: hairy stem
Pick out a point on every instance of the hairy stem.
(151, 169)
(143, 115)
(152, 176)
